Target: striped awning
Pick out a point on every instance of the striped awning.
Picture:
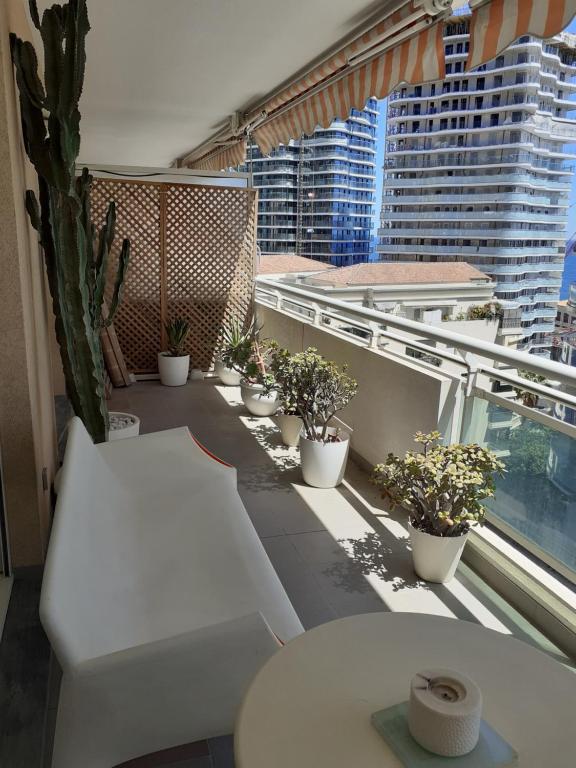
(497, 23)
(336, 87)
(222, 158)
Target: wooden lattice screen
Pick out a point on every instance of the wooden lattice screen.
(193, 256)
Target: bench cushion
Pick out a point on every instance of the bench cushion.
(151, 540)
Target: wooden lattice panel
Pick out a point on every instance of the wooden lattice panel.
(193, 255)
(210, 243)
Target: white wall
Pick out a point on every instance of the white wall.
(396, 398)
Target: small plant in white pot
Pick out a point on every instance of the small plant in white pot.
(287, 417)
(442, 488)
(174, 364)
(258, 387)
(320, 390)
(235, 351)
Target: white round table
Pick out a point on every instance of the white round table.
(310, 705)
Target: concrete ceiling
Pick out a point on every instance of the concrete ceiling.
(162, 75)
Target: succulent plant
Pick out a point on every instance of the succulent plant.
(76, 255)
(313, 388)
(177, 331)
(441, 487)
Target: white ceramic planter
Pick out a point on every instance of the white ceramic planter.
(228, 376)
(290, 426)
(436, 558)
(258, 403)
(196, 374)
(173, 370)
(323, 464)
(131, 429)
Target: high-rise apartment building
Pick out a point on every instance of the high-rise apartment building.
(317, 194)
(477, 169)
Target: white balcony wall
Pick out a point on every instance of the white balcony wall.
(396, 398)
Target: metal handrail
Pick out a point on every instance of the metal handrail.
(512, 358)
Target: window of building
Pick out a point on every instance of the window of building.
(445, 87)
(458, 66)
(459, 47)
(449, 50)
(418, 91)
(416, 110)
(464, 85)
(496, 100)
(493, 120)
(449, 68)
(516, 117)
(460, 143)
(480, 84)
(479, 102)
(462, 122)
(477, 122)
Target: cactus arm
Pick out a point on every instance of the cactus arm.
(62, 216)
(123, 261)
(34, 15)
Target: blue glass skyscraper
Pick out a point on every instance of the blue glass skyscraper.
(317, 194)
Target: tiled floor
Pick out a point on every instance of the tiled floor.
(338, 552)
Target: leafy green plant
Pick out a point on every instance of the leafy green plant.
(236, 348)
(177, 331)
(441, 486)
(315, 388)
(488, 311)
(529, 399)
(282, 371)
(76, 255)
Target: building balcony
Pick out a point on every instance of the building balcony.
(475, 215)
(432, 248)
(472, 196)
(485, 233)
(494, 180)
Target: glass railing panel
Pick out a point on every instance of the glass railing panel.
(536, 498)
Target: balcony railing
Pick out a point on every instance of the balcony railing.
(429, 377)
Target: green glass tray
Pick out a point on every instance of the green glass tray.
(492, 751)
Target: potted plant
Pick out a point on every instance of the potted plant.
(77, 253)
(258, 386)
(319, 390)
(287, 417)
(235, 351)
(529, 399)
(442, 488)
(174, 364)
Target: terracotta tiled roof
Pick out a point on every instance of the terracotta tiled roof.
(394, 273)
(277, 263)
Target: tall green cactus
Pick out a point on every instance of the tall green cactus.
(76, 256)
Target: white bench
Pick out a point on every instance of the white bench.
(158, 598)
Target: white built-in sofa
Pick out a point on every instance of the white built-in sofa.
(158, 598)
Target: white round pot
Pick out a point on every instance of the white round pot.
(436, 558)
(290, 426)
(173, 370)
(256, 401)
(228, 376)
(323, 464)
(123, 425)
(197, 374)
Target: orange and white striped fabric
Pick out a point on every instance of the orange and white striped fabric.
(413, 61)
(220, 159)
(498, 23)
(416, 60)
